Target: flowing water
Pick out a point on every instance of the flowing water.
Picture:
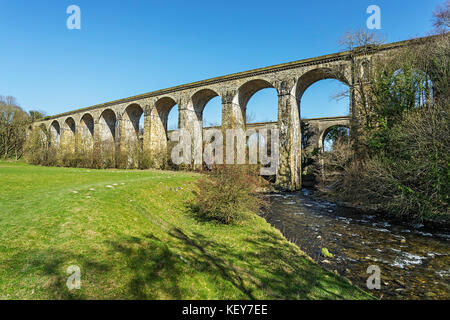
(414, 261)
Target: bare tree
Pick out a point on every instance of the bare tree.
(13, 125)
(360, 43)
(359, 38)
(441, 18)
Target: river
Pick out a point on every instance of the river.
(414, 261)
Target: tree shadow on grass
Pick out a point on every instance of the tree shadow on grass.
(294, 275)
(50, 266)
(271, 268)
(211, 257)
(154, 269)
(157, 271)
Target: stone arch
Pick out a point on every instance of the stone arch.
(68, 132)
(132, 133)
(247, 90)
(160, 112)
(158, 125)
(199, 101)
(107, 125)
(131, 117)
(69, 125)
(131, 123)
(43, 132)
(323, 134)
(313, 76)
(55, 132)
(87, 124)
(86, 130)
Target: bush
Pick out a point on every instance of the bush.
(403, 145)
(334, 163)
(412, 177)
(229, 193)
(37, 149)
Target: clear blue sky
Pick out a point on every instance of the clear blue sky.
(126, 48)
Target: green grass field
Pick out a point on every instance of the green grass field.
(138, 239)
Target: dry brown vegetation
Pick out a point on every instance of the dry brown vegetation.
(228, 193)
(399, 159)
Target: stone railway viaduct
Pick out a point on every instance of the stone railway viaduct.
(117, 122)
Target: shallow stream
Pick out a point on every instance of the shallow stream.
(414, 261)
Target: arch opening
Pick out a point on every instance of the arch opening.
(86, 131)
(132, 133)
(258, 100)
(43, 133)
(172, 120)
(164, 117)
(334, 136)
(133, 128)
(133, 119)
(87, 125)
(212, 113)
(107, 124)
(55, 132)
(70, 125)
(69, 132)
(208, 107)
(262, 107)
(322, 93)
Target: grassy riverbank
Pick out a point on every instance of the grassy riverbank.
(134, 237)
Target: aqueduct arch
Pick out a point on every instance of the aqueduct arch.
(107, 126)
(130, 124)
(247, 90)
(68, 133)
(199, 101)
(325, 132)
(315, 75)
(86, 131)
(157, 133)
(55, 132)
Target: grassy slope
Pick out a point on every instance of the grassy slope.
(139, 240)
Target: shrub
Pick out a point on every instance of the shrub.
(401, 163)
(334, 163)
(229, 193)
(412, 177)
(37, 149)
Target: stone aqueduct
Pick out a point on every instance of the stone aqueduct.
(118, 121)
